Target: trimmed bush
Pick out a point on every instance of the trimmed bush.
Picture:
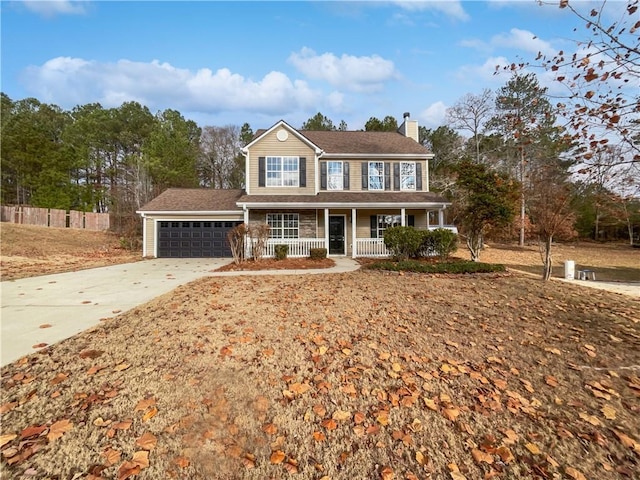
(317, 253)
(444, 241)
(403, 242)
(281, 251)
(444, 267)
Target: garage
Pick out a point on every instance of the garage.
(194, 239)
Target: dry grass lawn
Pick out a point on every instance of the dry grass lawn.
(29, 250)
(364, 375)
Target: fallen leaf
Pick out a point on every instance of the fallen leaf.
(141, 458)
(150, 414)
(608, 412)
(249, 460)
(319, 410)
(359, 417)
(32, 431)
(533, 448)
(319, 436)
(575, 474)
(45, 325)
(299, 388)
(330, 424)
(505, 454)
(7, 407)
(451, 413)
(39, 345)
(454, 471)
(277, 457)
(420, 458)
(387, 474)
(147, 441)
(182, 462)
(341, 415)
(593, 420)
(111, 456)
(270, 429)
(128, 469)
(551, 381)
(6, 438)
(58, 429)
(121, 367)
(479, 456)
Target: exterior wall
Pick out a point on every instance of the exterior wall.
(363, 222)
(307, 220)
(150, 223)
(271, 146)
(355, 174)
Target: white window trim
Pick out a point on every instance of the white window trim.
(415, 180)
(281, 172)
(281, 229)
(340, 176)
(380, 231)
(380, 175)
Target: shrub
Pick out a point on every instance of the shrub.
(445, 242)
(281, 251)
(444, 267)
(403, 242)
(317, 253)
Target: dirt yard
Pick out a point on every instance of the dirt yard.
(365, 375)
(28, 251)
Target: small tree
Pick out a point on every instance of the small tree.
(236, 237)
(444, 241)
(259, 234)
(403, 242)
(484, 199)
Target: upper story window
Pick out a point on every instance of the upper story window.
(376, 175)
(283, 171)
(335, 176)
(407, 176)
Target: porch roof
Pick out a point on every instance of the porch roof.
(347, 200)
(195, 200)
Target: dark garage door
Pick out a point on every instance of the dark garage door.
(194, 239)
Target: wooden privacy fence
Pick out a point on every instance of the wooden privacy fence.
(53, 217)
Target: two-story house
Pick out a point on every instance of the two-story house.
(338, 190)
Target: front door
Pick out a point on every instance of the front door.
(336, 235)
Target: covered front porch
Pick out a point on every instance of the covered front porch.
(355, 232)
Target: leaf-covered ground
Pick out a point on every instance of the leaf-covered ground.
(362, 375)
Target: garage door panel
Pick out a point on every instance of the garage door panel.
(194, 239)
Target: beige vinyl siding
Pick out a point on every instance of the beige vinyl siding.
(270, 146)
(355, 173)
(363, 222)
(151, 236)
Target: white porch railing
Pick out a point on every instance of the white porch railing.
(370, 247)
(298, 247)
(452, 228)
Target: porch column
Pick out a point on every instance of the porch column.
(403, 221)
(326, 229)
(441, 218)
(144, 235)
(428, 225)
(354, 217)
(245, 214)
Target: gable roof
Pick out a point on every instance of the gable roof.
(359, 142)
(338, 142)
(195, 200)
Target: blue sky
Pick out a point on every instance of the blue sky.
(222, 63)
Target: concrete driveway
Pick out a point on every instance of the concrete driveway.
(50, 308)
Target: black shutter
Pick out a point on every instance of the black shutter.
(365, 176)
(411, 220)
(396, 176)
(387, 176)
(323, 175)
(261, 172)
(418, 176)
(345, 175)
(302, 168)
(374, 226)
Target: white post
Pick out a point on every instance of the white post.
(326, 229)
(402, 219)
(428, 225)
(441, 218)
(354, 217)
(246, 216)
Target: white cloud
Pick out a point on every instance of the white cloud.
(485, 73)
(522, 40)
(516, 39)
(69, 81)
(433, 116)
(357, 74)
(49, 8)
(451, 8)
